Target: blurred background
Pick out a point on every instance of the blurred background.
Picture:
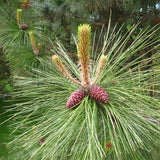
(59, 19)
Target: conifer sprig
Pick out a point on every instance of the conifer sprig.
(127, 127)
(63, 70)
(33, 43)
(19, 15)
(84, 47)
(101, 65)
(96, 92)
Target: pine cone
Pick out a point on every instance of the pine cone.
(75, 98)
(24, 26)
(108, 146)
(99, 94)
(41, 141)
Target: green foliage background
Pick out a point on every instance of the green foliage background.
(33, 93)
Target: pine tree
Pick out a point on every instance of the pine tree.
(105, 106)
(126, 127)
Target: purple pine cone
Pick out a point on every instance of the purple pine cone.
(99, 94)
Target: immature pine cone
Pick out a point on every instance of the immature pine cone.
(75, 98)
(99, 94)
(24, 26)
(108, 146)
